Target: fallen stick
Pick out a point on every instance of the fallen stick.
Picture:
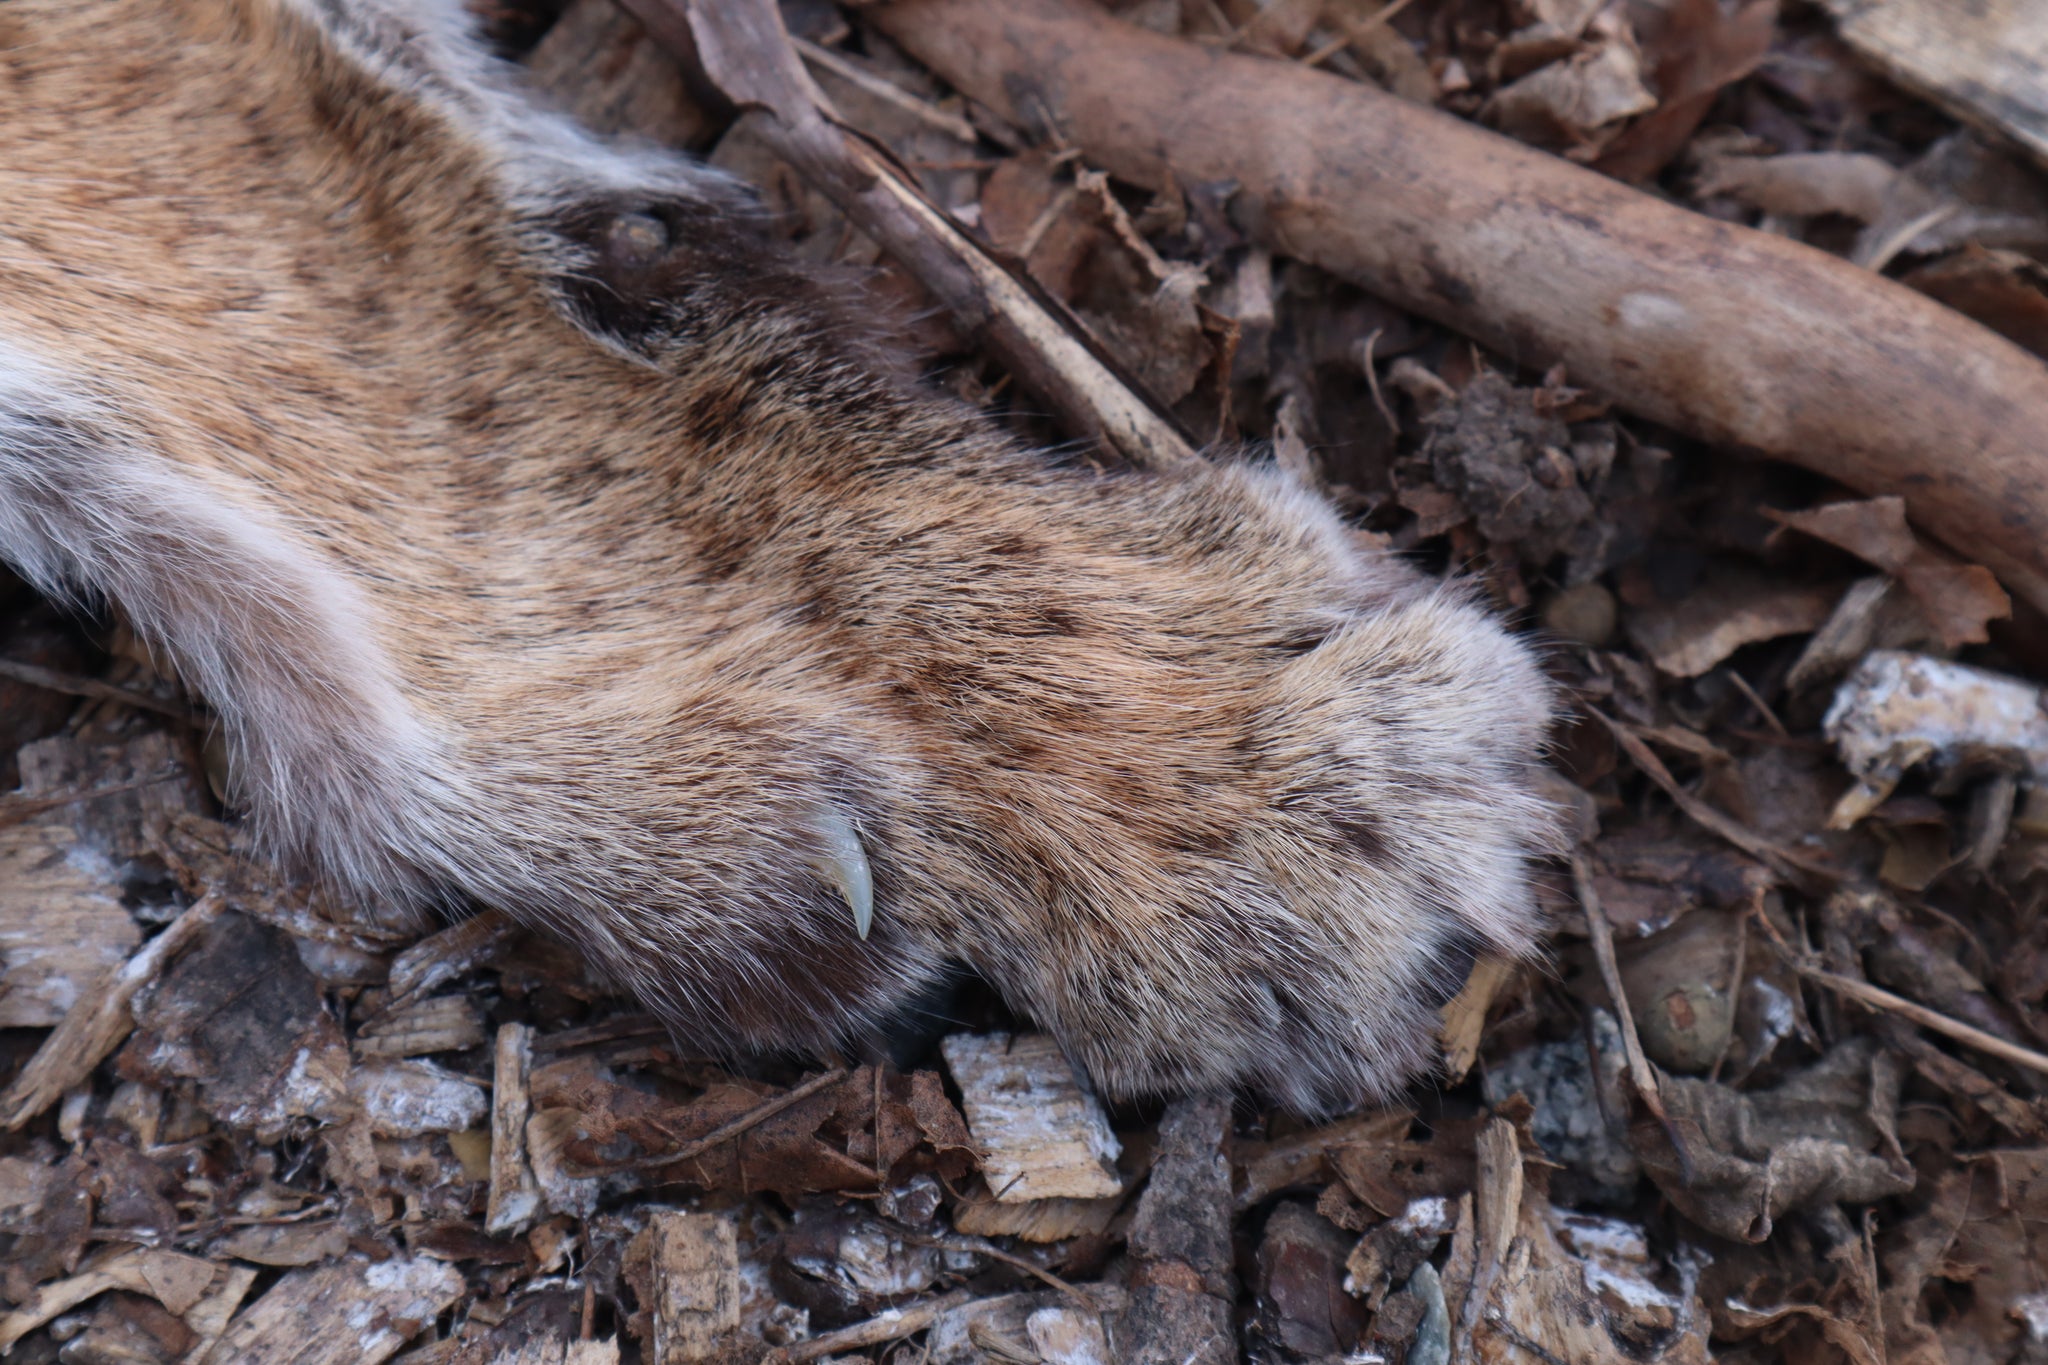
(741, 48)
(1737, 337)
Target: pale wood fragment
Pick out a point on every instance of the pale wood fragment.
(515, 1197)
(561, 1189)
(62, 925)
(1042, 1135)
(352, 1312)
(1985, 61)
(696, 1263)
(441, 957)
(1035, 1220)
(442, 1023)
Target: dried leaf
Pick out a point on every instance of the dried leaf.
(1824, 1135)
(1959, 598)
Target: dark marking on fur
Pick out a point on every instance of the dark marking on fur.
(1367, 833)
(1456, 952)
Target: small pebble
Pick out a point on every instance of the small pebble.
(1584, 615)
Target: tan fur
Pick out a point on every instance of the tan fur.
(542, 540)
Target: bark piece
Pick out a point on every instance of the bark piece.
(352, 1312)
(152, 786)
(696, 1265)
(1734, 336)
(1555, 1285)
(1301, 1301)
(62, 925)
(241, 1015)
(1182, 1286)
(1042, 1135)
(444, 1023)
(1986, 61)
(515, 1196)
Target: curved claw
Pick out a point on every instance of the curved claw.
(845, 865)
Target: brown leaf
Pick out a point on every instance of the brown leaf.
(2004, 290)
(1692, 49)
(1959, 598)
(1735, 607)
(1823, 1135)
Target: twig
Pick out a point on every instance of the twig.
(980, 1247)
(1354, 29)
(726, 1132)
(95, 1025)
(1761, 707)
(1736, 337)
(1602, 934)
(50, 680)
(1876, 997)
(742, 49)
(894, 1325)
(16, 807)
(885, 90)
(1783, 861)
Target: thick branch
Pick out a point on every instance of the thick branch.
(1743, 339)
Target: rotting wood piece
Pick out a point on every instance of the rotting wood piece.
(1985, 61)
(696, 1264)
(1741, 338)
(515, 1195)
(1041, 1134)
(352, 1312)
(100, 1019)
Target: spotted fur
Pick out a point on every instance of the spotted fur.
(543, 541)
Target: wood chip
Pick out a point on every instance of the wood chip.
(440, 958)
(515, 1196)
(62, 925)
(408, 1099)
(1034, 1220)
(443, 1023)
(1983, 60)
(176, 1281)
(1041, 1134)
(352, 1312)
(561, 1189)
(554, 1351)
(697, 1293)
